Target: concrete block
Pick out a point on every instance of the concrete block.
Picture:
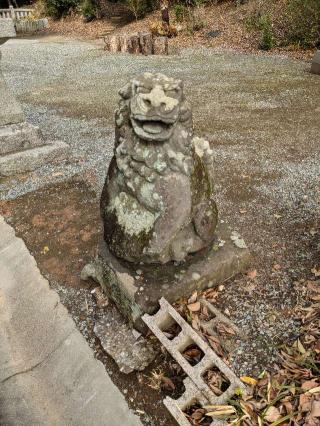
(218, 316)
(315, 67)
(31, 159)
(166, 316)
(189, 397)
(136, 294)
(18, 137)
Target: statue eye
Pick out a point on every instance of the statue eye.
(142, 89)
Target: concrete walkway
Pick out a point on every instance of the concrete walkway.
(48, 375)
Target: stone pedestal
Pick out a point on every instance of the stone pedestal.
(22, 147)
(315, 67)
(136, 289)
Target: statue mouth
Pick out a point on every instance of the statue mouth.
(152, 128)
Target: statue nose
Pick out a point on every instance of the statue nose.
(156, 98)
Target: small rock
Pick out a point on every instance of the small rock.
(122, 343)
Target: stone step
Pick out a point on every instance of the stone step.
(30, 159)
(18, 137)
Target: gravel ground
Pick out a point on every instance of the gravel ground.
(261, 114)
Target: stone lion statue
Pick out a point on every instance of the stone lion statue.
(157, 204)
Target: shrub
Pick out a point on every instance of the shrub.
(179, 12)
(140, 7)
(88, 10)
(286, 22)
(59, 8)
(303, 23)
(267, 39)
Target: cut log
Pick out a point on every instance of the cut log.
(146, 43)
(123, 43)
(143, 43)
(135, 45)
(160, 46)
(113, 43)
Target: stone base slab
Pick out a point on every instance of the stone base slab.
(30, 159)
(19, 137)
(137, 289)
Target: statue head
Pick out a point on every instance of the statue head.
(156, 104)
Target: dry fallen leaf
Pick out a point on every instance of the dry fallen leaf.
(316, 272)
(272, 415)
(193, 298)
(168, 383)
(252, 274)
(314, 286)
(194, 307)
(249, 380)
(309, 384)
(315, 409)
(314, 390)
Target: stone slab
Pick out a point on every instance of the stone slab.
(130, 350)
(315, 67)
(10, 111)
(136, 289)
(48, 373)
(7, 29)
(18, 137)
(31, 159)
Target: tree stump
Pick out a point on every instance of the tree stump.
(112, 43)
(123, 43)
(135, 45)
(160, 46)
(143, 43)
(146, 43)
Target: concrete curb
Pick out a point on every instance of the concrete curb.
(48, 373)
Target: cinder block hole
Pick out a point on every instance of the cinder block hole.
(191, 352)
(216, 380)
(195, 414)
(169, 327)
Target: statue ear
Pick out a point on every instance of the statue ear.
(126, 91)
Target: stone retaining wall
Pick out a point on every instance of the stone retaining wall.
(24, 26)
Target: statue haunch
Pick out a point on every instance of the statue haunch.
(157, 203)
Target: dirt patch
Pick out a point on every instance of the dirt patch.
(61, 227)
(62, 236)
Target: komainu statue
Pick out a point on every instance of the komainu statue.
(157, 204)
